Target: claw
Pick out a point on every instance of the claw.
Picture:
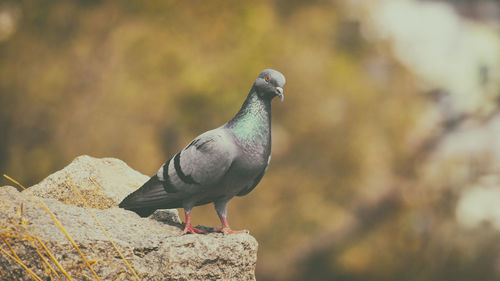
(193, 230)
(227, 230)
(189, 228)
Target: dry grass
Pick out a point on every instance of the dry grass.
(102, 228)
(19, 231)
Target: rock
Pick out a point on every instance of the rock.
(154, 246)
(103, 182)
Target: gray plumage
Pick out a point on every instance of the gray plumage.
(219, 164)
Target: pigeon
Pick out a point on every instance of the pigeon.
(217, 165)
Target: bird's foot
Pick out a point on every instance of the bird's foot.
(188, 228)
(227, 230)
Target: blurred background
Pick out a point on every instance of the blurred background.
(386, 150)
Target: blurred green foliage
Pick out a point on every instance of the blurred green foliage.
(137, 80)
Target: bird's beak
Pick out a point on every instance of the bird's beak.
(279, 93)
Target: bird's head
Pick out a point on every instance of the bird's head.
(270, 84)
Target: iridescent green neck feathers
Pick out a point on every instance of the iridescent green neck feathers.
(253, 121)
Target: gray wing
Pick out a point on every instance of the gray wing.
(201, 164)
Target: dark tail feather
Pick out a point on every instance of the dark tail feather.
(149, 197)
(128, 204)
(143, 212)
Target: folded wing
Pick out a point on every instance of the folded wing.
(191, 172)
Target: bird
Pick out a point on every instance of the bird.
(217, 165)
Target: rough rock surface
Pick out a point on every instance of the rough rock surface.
(154, 246)
(103, 182)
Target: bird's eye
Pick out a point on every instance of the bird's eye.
(267, 78)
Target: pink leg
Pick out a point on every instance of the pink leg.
(188, 227)
(226, 229)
